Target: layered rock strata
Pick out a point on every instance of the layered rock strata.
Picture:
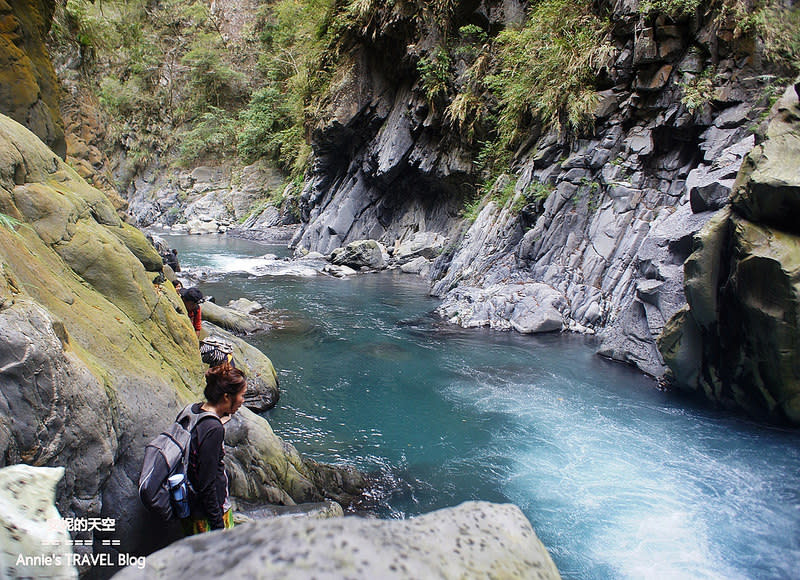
(595, 234)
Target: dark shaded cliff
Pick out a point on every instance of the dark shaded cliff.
(29, 89)
(737, 338)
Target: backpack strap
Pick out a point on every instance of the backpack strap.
(188, 419)
(193, 418)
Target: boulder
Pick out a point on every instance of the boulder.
(738, 339)
(262, 467)
(526, 307)
(33, 547)
(360, 254)
(245, 306)
(473, 540)
(232, 320)
(262, 380)
(426, 245)
(767, 189)
(95, 359)
(419, 266)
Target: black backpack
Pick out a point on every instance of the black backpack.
(166, 455)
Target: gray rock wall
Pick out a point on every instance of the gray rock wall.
(606, 246)
(737, 339)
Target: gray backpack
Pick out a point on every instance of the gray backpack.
(166, 455)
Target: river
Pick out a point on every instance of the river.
(619, 479)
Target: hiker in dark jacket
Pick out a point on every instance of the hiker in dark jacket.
(192, 297)
(211, 507)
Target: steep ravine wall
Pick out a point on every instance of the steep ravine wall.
(96, 358)
(604, 252)
(29, 89)
(737, 338)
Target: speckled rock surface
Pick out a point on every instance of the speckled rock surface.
(473, 540)
(27, 513)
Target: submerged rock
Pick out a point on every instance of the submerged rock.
(473, 540)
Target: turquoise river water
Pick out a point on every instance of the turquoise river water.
(619, 479)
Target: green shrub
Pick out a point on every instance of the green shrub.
(213, 133)
(84, 26)
(538, 191)
(211, 81)
(295, 38)
(262, 120)
(779, 28)
(549, 67)
(434, 74)
(697, 90)
(673, 8)
(464, 113)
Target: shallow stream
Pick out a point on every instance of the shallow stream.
(619, 480)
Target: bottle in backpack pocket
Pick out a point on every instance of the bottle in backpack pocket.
(180, 499)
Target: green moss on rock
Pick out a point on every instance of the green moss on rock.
(29, 89)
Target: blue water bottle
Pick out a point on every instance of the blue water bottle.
(180, 499)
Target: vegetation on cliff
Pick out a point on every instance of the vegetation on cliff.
(178, 84)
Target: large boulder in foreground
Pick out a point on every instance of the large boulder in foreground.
(738, 341)
(473, 540)
(96, 358)
(27, 516)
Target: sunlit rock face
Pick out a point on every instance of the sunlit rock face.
(737, 340)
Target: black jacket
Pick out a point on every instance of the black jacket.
(207, 471)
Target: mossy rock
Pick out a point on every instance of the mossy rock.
(29, 89)
(761, 318)
(767, 189)
(703, 268)
(681, 348)
(97, 359)
(137, 243)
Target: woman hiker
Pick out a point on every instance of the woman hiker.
(210, 505)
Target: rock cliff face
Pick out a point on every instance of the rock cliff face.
(602, 250)
(29, 90)
(737, 339)
(95, 359)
